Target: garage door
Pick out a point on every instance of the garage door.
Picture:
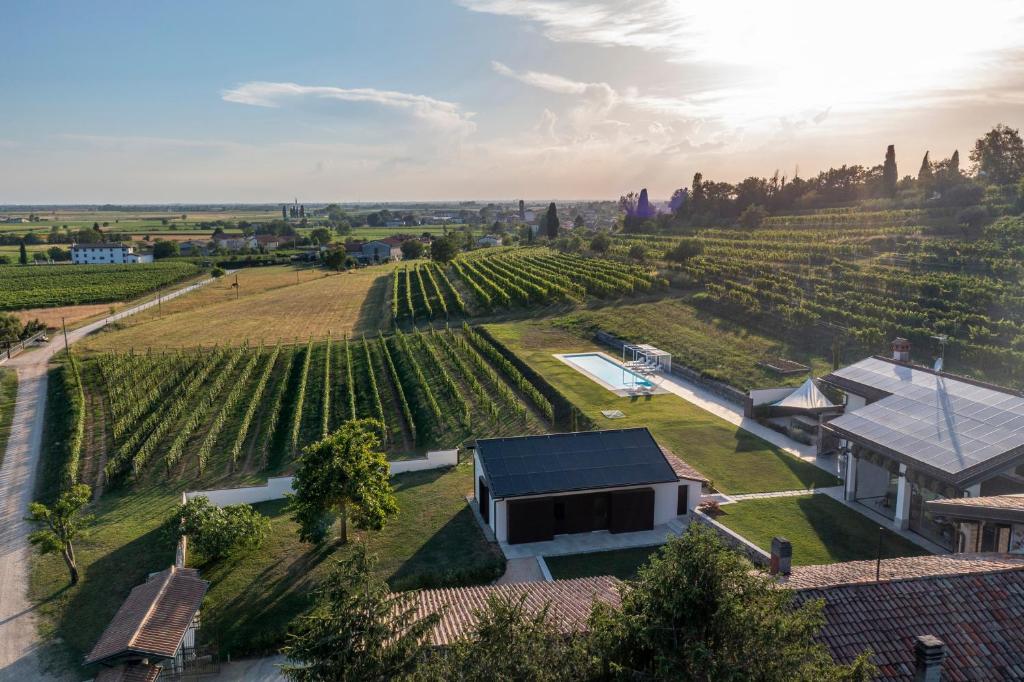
(531, 520)
(632, 510)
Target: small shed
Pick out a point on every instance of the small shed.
(532, 488)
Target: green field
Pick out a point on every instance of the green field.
(39, 286)
(621, 563)
(822, 530)
(735, 460)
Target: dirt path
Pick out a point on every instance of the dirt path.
(19, 639)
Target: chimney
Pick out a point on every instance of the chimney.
(782, 556)
(929, 652)
(900, 349)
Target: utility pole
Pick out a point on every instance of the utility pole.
(235, 285)
(878, 560)
(65, 328)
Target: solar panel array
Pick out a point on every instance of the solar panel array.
(533, 465)
(945, 423)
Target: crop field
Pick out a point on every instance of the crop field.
(208, 413)
(58, 285)
(270, 303)
(858, 284)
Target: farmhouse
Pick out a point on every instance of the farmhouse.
(911, 434)
(155, 626)
(104, 253)
(383, 250)
(489, 240)
(268, 242)
(532, 488)
(234, 243)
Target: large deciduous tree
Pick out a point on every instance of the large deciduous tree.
(359, 629)
(998, 157)
(346, 476)
(61, 523)
(444, 248)
(699, 612)
(217, 532)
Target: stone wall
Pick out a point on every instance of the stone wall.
(732, 539)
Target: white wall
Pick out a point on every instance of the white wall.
(854, 402)
(277, 488)
(766, 396)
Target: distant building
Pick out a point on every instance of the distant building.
(194, 247)
(395, 223)
(268, 242)
(106, 254)
(383, 250)
(15, 220)
(489, 240)
(235, 242)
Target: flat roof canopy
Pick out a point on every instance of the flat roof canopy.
(957, 429)
(646, 349)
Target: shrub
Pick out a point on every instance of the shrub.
(217, 532)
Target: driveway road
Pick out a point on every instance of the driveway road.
(19, 641)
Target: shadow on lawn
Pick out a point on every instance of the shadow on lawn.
(849, 536)
(371, 312)
(808, 474)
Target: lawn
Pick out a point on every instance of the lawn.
(622, 563)
(272, 303)
(735, 460)
(719, 348)
(8, 393)
(822, 530)
(433, 541)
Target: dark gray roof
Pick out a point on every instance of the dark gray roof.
(100, 245)
(957, 429)
(533, 465)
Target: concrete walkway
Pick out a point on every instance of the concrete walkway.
(525, 570)
(832, 491)
(599, 541)
(19, 641)
(250, 670)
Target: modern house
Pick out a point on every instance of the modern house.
(532, 488)
(383, 250)
(911, 434)
(154, 628)
(107, 253)
(952, 617)
(984, 524)
(800, 412)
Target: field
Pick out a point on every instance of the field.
(822, 530)
(735, 460)
(433, 541)
(214, 414)
(8, 392)
(62, 285)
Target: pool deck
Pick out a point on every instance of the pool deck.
(654, 389)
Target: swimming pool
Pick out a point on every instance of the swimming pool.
(605, 371)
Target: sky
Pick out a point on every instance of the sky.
(390, 100)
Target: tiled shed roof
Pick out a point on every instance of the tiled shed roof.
(153, 619)
(973, 603)
(571, 602)
(682, 469)
(129, 673)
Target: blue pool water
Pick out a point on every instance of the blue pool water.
(607, 371)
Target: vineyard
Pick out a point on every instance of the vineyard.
(214, 412)
(43, 286)
(493, 279)
(859, 284)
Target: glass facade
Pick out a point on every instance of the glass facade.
(922, 520)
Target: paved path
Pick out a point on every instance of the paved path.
(525, 570)
(19, 644)
(833, 491)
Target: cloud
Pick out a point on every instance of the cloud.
(438, 114)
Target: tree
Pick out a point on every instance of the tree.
(638, 252)
(335, 259)
(600, 243)
(999, 156)
(411, 249)
(341, 476)
(970, 220)
(443, 250)
(511, 641)
(687, 248)
(22, 253)
(165, 248)
(321, 235)
(217, 272)
(924, 175)
(753, 216)
(699, 612)
(10, 329)
(644, 211)
(61, 524)
(358, 630)
(890, 176)
(578, 222)
(551, 221)
(217, 532)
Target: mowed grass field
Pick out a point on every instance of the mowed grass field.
(735, 460)
(278, 302)
(822, 530)
(434, 540)
(719, 348)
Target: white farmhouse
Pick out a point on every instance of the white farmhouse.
(107, 253)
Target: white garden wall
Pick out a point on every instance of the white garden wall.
(277, 488)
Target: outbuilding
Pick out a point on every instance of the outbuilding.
(532, 488)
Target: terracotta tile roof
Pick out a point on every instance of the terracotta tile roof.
(853, 572)
(129, 673)
(976, 611)
(571, 602)
(682, 469)
(153, 619)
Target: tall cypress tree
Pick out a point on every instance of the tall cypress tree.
(22, 253)
(643, 205)
(925, 173)
(889, 174)
(954, 163)
(551, 221)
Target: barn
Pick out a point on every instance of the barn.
(532, 488)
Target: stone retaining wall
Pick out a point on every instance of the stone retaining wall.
(731, 538)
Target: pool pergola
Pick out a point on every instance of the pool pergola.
(645, 360)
